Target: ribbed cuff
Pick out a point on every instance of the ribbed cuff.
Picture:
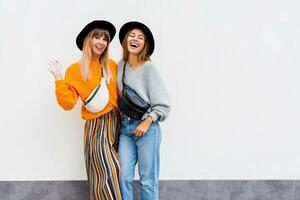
(154, 116)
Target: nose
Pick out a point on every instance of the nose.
(101, 41)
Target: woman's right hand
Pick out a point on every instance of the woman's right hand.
(55, 69)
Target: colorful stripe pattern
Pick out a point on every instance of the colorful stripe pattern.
(101, 158)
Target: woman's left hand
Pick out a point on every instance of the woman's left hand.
(143, 127)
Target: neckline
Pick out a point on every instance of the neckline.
(95, 64)
(95, 61)
(137, 68)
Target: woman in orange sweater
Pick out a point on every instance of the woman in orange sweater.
(100, 132)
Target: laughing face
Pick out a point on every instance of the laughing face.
(99, 43)
(135, 41)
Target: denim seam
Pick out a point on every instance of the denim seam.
(155, 158)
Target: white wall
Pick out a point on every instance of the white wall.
(232, 69)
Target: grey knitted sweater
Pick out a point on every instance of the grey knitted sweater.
(147, 83)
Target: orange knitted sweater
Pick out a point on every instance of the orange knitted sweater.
(68, 90)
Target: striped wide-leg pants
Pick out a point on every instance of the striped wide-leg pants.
(101, 159)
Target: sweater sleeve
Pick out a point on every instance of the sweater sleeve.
(66, 95)
(159, 97)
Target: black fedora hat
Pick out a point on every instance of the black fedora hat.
(134, 24)
(102, 24)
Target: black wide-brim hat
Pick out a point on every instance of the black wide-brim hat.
(101, 24)
(134, 24)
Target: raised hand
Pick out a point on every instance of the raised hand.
(55, 69)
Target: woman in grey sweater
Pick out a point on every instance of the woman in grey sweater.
(140, 133)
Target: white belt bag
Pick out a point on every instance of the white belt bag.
(98, 99)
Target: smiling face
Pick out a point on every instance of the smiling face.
(98, 44)
(135, 41)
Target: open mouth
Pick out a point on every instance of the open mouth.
(133, 45)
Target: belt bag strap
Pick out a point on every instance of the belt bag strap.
(99, 97)
(130, 103)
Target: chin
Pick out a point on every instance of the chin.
(133, 51)
(98, 53)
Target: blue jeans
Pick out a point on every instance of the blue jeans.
(144, 151)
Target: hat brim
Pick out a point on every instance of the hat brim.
(134, 24)
(101, 24)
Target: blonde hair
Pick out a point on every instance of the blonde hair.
(142, 56)
(84, 63)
